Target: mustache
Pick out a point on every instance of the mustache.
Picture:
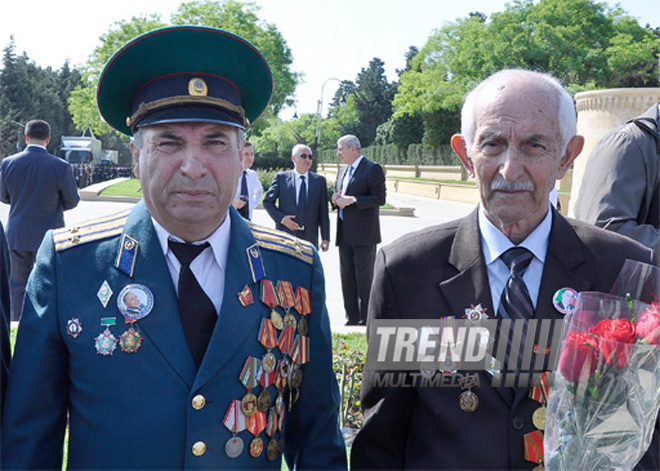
(518, 185)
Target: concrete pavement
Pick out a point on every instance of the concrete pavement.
(427, 212)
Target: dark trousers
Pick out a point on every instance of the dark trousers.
(22, 262)
(356, 266)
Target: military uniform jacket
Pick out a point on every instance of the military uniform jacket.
(151, 409)
(424, 427)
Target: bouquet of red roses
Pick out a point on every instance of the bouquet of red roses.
(604, 403)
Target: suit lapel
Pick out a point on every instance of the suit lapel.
(236, 324)
(357, 174)
(163, 325)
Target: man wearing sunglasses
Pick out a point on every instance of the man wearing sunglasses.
(302, 200)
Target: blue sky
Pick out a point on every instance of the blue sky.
(328, 38)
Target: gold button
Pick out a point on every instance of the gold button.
(198, 402)
(199, 448)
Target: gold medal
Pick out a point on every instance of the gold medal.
(269, 362)
(538, 418)
(249, 404)
(276, 319)
(289, 319)
(263, 401)
(303, 327)
(279, 403)
(295, 377)
(256, 447)
(130, 340)
(271, 450)
(468, 401)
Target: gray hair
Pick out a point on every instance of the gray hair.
(565, 106)
(298, 148)
(349, 140)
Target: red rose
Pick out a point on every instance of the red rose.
(614, 339)
(578, 356)
(648, 324)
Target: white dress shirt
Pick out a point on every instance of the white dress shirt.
(255, 190)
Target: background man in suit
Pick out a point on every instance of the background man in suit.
(620, 191)
(518, 135)
(207, 347)
(39, 187)
(359, 193)
(249, 189)
(5, 350)
(300, 215)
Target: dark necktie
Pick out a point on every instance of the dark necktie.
(245, 210)
(198, 314)
(302, 203)
(516, 303)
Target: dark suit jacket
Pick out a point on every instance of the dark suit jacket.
(283, 189)
(136, 410)
(361, 225)
(39, 187)
(5, 351)
(439, 272)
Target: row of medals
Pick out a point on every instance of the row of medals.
(289, 370)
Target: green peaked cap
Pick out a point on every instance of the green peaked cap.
(184, 74)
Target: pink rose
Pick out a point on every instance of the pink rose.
(648, 324)
(578, 356)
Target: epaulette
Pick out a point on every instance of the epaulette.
(89, 231)
(282, 242)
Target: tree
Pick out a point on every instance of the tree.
(373, 100)
(236, 17)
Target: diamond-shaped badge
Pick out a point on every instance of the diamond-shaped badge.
(104, 294)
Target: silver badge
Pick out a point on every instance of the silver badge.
(104, 294)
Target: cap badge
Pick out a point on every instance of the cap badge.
(197, 87)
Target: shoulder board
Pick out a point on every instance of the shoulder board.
(89, 231)
(282, 242)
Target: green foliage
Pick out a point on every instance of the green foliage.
(373, 100)
(130, 187)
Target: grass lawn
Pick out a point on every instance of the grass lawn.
(129, 187)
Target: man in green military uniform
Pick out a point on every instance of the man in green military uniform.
(228, 361)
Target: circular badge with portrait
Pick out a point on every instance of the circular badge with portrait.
(564, 300)
(135, 302)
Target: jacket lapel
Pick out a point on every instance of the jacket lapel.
(163, 325)
(236, 324)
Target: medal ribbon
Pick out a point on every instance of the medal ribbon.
(234, 418)
(540, 393)
(303, 303)
(285, 292)
(271, 428)
(267, 294)
(256, 423)
(294, 352)
(265, 378)
(534, 446)
(249, 374)
(286, 339)
(304, 350)
(267, 334)
(281, 378)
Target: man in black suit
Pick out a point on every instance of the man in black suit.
(5, 350)
(302, 200)
(518, 137)
(39, 187)
(359, 193)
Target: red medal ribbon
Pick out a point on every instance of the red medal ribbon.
(304, 350)
(265, 378)
(534, 446)
(303, 303)
(267, 294)
(294, 352)
(234, 418)
(245, 296)
(256, 423)
(540, 393)
(285, 292)
(267, 334)
(281, 379)
(286, 339)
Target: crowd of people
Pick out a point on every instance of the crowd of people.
(86, 174)
(216, 328)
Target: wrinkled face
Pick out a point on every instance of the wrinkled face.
(188, 173)
(131, 300)
(247, 157)
(516, 155)
(303, 160)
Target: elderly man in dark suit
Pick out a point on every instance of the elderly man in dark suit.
(359, 193)
(39, 187)
(518, 137)
(302, 200)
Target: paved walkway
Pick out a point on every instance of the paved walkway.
(427, 212)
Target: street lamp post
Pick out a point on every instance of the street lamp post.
(18, 136)
(319, 110)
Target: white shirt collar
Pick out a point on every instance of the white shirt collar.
(357, 162)
(219, 240)
(37, 145)
(496, 243)
(298, 174)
